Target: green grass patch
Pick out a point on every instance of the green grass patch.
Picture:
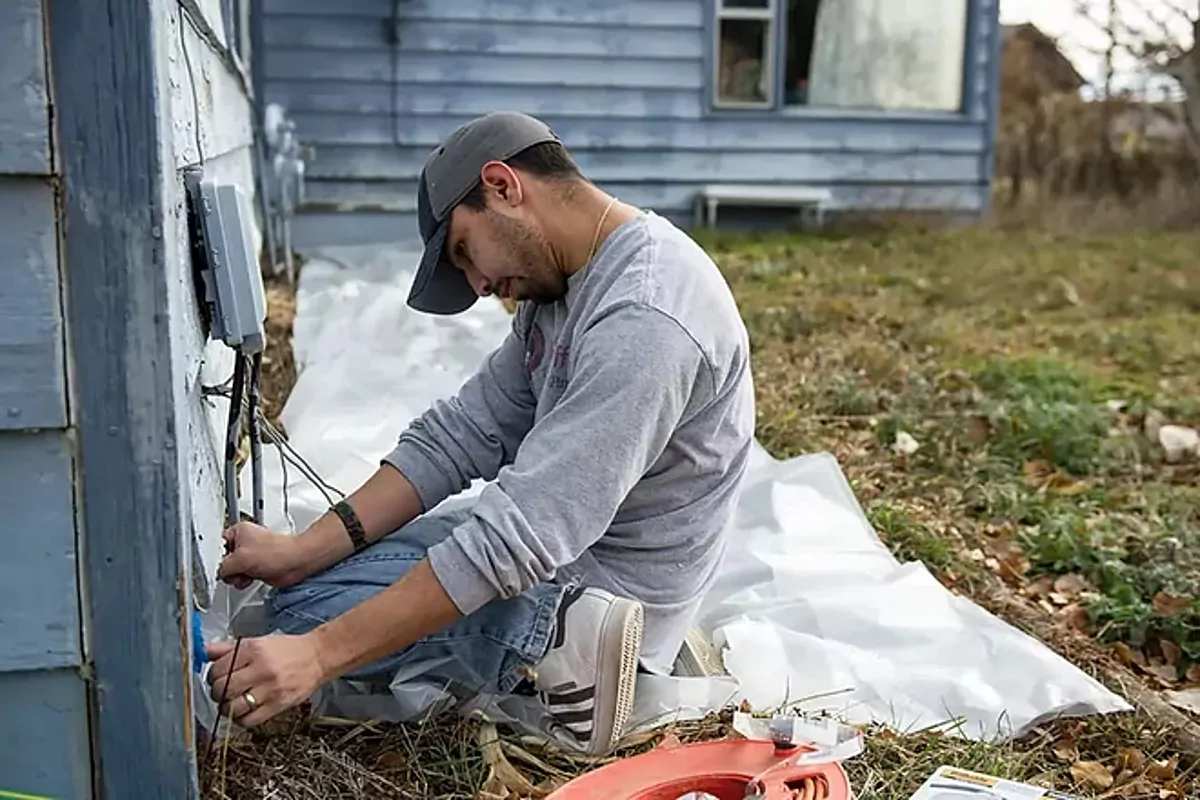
(1022, 363)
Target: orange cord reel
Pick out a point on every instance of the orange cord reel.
(737, 769)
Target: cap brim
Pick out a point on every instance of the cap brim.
(439, 288)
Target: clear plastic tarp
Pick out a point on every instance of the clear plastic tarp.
(810, 610)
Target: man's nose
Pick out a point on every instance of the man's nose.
(481, 285)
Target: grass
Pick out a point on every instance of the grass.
(1027, 367)
(1024, 366)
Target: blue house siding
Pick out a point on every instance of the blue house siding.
(107, 444)
(626, 87)
(43, 696)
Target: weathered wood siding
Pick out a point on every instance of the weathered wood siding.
(624, 84)
(107, 447)
(44, 723)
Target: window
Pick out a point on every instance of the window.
(881, 54)
(745, 53)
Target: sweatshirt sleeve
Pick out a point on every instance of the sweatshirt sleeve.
(635, 372)
(472, 434)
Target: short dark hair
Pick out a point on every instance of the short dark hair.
(548, 160)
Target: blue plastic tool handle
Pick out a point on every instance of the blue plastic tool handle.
(199, 656)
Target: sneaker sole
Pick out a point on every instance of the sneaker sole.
(616, 678)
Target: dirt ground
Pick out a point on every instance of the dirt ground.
(997, 399)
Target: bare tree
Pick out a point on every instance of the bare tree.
(1161, 37)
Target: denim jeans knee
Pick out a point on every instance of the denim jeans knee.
(480, 652)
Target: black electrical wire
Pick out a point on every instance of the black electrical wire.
(233, 433)
(256, 472)
(232, 515)
(237, 644)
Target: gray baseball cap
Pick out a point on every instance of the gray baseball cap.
(450, 173)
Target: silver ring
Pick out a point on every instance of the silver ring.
(250, 701)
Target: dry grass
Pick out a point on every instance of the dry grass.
(999, 352)
(279, 366)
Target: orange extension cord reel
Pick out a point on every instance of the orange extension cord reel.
(736, 769)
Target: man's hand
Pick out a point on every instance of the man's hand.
(255, 553)
(272, 674)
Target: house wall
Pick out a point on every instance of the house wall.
(625, 86)
(226, 150)
(94, 255)
(44, 722)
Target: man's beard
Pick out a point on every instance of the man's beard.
(542, 284)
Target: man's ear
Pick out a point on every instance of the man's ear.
(501, 183)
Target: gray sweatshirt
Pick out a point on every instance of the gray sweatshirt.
(613, 428)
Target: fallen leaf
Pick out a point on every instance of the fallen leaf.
(1133, 787)
(669, 739)
(1124, 653)
(1059, 598)
(979, 430)
(1166, 673)
(390, 760)
(1187, 699)
(1069, 487)
(1065, 751)
(1170, 605)
(1075, 616)
(1131, 759)
(1072, 730)
(1040, 587)
(1092, 773)
(1066, 291)
(1013, 568)
(1163, 770)
(1070, 584)
(1172, 652)
(1038, 470)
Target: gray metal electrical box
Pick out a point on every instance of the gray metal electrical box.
(222, 229)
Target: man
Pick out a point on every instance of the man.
(613, 423)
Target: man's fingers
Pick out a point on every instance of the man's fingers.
(254, 677)
(234, 566)
(221, 656)
(218, 650)
(238, 707)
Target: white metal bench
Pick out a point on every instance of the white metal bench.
(811, 200)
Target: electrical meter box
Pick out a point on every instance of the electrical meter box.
(222, 224)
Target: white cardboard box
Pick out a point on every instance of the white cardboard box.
(951, 783)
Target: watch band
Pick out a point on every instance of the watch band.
(352, 524)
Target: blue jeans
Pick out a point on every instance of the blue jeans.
(483, 651)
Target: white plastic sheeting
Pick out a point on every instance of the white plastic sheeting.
(810, 608)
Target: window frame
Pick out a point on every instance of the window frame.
(769, 14)
(970, 102)
(236, 16)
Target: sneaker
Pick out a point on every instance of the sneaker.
(587, 679)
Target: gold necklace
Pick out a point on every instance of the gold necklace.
(599, 226)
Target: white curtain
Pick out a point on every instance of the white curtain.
(894, 54)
